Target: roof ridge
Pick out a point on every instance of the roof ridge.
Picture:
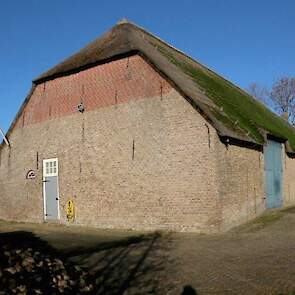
(229, 108)
(125, 21)
(185, 54)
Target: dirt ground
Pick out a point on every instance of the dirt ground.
(257, 258)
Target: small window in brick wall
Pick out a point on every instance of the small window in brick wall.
(51, 167)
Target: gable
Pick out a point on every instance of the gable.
(233, 112)
(112, 83)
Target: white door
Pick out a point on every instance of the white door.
(50, 189)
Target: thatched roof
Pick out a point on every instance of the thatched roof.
(232, 111)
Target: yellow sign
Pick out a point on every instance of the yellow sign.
(70, 210)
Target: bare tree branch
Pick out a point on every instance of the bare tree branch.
(281, 97)
(259, 92)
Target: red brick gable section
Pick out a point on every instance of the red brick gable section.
(116, 82)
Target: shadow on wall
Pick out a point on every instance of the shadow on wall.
(135, 265)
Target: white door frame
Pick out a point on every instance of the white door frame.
(47, 173)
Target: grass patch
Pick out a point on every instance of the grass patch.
(290, 209)
(2, 221)
(266, 219)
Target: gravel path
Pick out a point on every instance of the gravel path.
(257, 258)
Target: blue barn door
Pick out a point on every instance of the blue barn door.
(273, 174)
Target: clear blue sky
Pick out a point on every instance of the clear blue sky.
(243, 40)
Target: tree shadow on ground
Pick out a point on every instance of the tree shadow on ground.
(189, 290)
(134, 265)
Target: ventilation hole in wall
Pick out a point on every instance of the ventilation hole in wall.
(23, 119)
(83, 131)
(208, 133)
(37, 161)
(128, 70)
(133, 149)
(9, 158)
(127, 64)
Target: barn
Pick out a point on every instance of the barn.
(131, 133)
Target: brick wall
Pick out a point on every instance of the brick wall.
(169, 184)
(179, 177)
(109, 84)
(289, 177)
(241, 183)
(240, 173)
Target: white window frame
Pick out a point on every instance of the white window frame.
(52, 170)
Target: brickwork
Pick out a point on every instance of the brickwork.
(169, 184)
(289, 177)
(109, 84)
(240, 173)
(140, 156)
(241, 183)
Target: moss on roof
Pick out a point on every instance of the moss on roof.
(237, 108)
(232, 112)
